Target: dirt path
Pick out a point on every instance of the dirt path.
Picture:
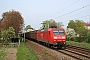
(11, 54)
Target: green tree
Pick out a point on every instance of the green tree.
(79, 28)
(71, 24)
(51, 23)
(59, 24)
(77, 25)
(45, 24)
(88, 36)
(28, 27)
(9, 33)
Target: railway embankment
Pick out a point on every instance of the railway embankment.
(45, 53)
(79, 44)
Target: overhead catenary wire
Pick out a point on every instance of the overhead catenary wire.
(66, 7)
(72, 11)
(81, 12)
(83, 16)
(76, 14)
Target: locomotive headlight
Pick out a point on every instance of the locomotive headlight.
(63, 37)
(63, 40)
(55, 37)
(54, 40)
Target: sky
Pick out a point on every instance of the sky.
(34, 12)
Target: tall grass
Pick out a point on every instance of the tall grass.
(2, 54)
(79, 44)
(25, 54)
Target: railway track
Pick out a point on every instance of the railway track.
(69, 54)
(79, 49)
(76, 52)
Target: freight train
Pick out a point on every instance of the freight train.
(52, 37)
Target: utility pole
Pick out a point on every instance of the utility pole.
(48, 24)
(24, 32)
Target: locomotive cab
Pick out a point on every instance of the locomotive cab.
(57, 37)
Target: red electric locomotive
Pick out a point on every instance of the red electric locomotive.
(53, 37)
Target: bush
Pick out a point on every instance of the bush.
(88, 41)
(6, 42)
(76, 39)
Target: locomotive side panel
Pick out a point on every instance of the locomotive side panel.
(45, 36)
(42, 36)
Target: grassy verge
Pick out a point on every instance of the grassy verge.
(2, 54)
(83, 45)
(25, 54)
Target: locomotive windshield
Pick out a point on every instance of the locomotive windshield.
(58, 31)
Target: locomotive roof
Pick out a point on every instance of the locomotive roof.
(50, 29)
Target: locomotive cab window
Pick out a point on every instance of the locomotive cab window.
(58, 31)
(55, 32)
(61, 32)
